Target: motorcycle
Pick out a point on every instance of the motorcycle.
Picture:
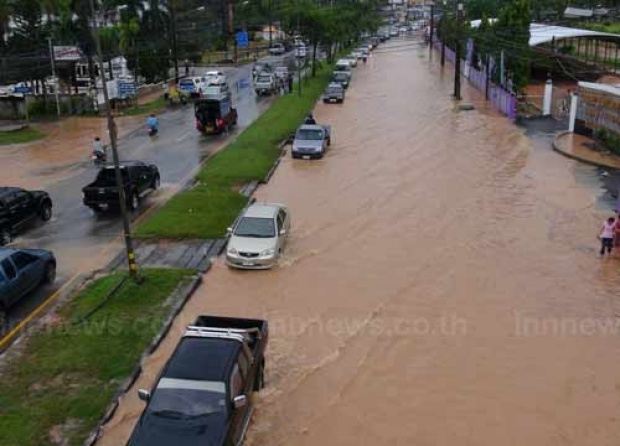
(99, 158)
(152, 130)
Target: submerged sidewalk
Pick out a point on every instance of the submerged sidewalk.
(579, 148)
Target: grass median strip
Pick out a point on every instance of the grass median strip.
(57, 390)
(150, 107)
(27, 134)
(248, 158)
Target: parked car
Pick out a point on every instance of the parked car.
(18, 207)
(138, 180)
(282, 73)
(191, 85)
(300, 50)
(261, 67)
(214, 116)
(343, 65)
(311, 141)
(277, 49)
(265, 83)
(215, 78)
(334, 93)
(258, 236)
(203, 394)
(341, 77)
(21, 271)
(352, 59)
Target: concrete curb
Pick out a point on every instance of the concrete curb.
(557, 149)
(45, 307)
(277, 162)
(181, 295)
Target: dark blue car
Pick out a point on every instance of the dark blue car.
(22, 270)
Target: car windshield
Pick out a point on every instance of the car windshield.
(186, 82)
(255, 227)
(183, 399)
(309, 134)
(264, 79)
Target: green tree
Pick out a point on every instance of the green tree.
(512, 35)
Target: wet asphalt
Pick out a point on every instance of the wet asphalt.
(83, 241)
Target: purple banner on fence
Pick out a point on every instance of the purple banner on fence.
(504, 101)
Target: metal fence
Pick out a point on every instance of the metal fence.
(504, 101)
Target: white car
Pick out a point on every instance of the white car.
(343, 64)
(300, 51)
(215, 78)
(258, 236)
(352, 59)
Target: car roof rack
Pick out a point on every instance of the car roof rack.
(229, 333)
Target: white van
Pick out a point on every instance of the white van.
(300, 50)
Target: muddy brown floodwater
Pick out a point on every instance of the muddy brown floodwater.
(440, 287)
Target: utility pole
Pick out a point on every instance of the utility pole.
(443, 36)
(430, 34)
(487, 67)
(270, 24)
(49, 41)
(131, 255)
(173, 26)
(298, 54)
(457, 62)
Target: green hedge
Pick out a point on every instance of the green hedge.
(206, 211)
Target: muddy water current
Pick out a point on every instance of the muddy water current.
(440, 286)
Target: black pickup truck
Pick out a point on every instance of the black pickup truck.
(19, 206)
(203, 394)
(138, 179)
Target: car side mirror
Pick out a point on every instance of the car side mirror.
(282, 231)
(229, 231)
(240, 401)
(144, 395)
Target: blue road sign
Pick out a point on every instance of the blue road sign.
(22, 90)
(126, 89)
(242, 38)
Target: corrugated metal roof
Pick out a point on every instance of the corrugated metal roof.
(603, 88)
(540, 33)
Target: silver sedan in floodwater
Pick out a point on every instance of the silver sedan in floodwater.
(258, 237)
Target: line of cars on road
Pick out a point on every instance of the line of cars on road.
(22, 270)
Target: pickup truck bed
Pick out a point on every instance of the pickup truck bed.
(203, 394)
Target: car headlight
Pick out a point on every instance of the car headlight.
(268, 252)
(232, 250)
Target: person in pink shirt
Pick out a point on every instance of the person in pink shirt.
(607, 236)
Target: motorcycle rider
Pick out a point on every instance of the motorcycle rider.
(310, 120)
(98, 149)
(152, 123)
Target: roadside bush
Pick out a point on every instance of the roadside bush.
(610, 139)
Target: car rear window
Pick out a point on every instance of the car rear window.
(186, 82)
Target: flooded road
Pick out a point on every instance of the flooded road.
(440, 286)
(61, 165)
